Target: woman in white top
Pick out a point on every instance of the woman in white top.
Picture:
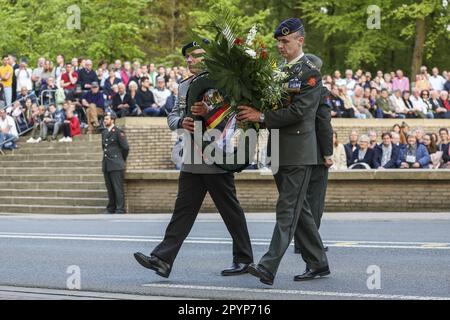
(339, 156)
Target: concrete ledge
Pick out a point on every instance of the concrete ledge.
(362, 175)
(162, 122)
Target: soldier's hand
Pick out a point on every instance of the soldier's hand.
(188, 124)
(328, 163)
(200, 109)
(248, 114)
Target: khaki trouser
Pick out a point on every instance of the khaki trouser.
(92, 113)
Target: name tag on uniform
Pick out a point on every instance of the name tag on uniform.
(410, 159)
(294, 84)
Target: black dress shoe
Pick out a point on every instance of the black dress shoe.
(108, 212)
(325, 249)
(310, 274)
(259, 271)
(154, 263)
(235, 269)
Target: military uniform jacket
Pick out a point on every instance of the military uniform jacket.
(115, 149)
(297, 118)
(174, 120)
(324, 130)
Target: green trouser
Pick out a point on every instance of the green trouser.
(315, 195)
(292, 183)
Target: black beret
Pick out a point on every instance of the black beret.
(288, 26)
(191, 45)
(112, 114)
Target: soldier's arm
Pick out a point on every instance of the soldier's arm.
(308, 96)
(323, 125)
(123, 143)
(174, 118)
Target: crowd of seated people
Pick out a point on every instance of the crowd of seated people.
(399, 149)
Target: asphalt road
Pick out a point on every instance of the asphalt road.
(410, 250)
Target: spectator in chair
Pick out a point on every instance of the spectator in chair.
(37, 116)
(121, 103)
(133, 91)
(445, 102)
(109, 83)
(71, 127)
(384, 106)
(443, 138)
(386, 154)
(420, 108)
(8, 131)
(351, 146)
(400, 108)
(414, 155)
(436, 80)
(339, 156)
(373, 136)
(161, 94)
(433, 151)
(94, 103)
(363, 158)
(53, 120)
(400, 82)
(445, 148)
(146, 100)
(87, 76)
(24, 94)
(337, 105)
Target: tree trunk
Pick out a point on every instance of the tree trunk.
(173, 24)
(417, 57)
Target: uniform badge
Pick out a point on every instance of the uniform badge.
(113, 130)
(285, 31)
(122, 134)
(312, 82)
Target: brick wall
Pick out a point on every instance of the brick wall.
(352, 191)
(151, 141)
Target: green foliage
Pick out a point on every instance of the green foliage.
(155, 30)
(239, 64)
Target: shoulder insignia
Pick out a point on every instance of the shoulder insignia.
(312, 82)
(122, 134)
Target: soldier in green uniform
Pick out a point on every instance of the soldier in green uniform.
(297, 155)
(319, 175)
(115, 153)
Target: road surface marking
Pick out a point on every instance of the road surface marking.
(206, 240)
(295, 292)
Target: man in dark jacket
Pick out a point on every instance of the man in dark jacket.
(386, 153)
(319, 176)
(116, 149)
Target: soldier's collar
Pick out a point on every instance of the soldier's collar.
(293, 62)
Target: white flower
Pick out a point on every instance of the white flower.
(279, 75)
(251, 53)
(251, 35)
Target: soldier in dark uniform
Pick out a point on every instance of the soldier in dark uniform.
(115, 153)
(319, 176)
(196, 179)
(297, 154)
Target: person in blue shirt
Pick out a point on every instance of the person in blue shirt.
(414, 155)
